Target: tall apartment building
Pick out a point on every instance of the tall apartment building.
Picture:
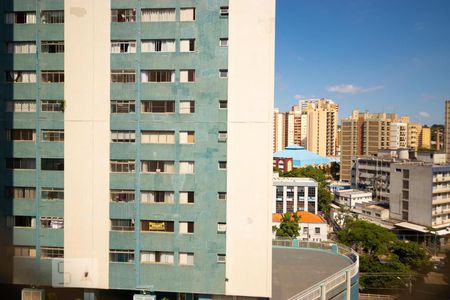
(446, 131)
(398, 135)
(363, 133)
(279, 127)
(425, 138)
(128, 125)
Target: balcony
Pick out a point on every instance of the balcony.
(335, 270)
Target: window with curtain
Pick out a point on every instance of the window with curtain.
(158, 15)
(158, 46)
(187, 14)
(187, 167)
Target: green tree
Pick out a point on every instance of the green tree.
(412, 255)
(367, 237)
(289, 227)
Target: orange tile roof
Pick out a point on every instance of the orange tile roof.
(305, 217)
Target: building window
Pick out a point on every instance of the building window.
(405, 195)
(121, 195)
(317, 230)
(221, 227)
(222, 136)
(122, 224)
(159, 257)
(157, 76)
(157, 226)
(20, 17)
(52, 164)
(52, 222)
(158, 46)
(158, 137)
(187, 75)
(122, 166)
(311, 194)
(186, 227)
(224, 11)
(52, 76)
(221, 258)
(223, 42)
(20, 135)
(222, 195)
(187, 137)
(52, 252)
(187, 197)
(52, 135)
(20, 76)
(222, 165)
(123, 136)
(406, 184)
(52, 193)
(223, 104)
(223, 73)
(51, 105)
(187, 45)
(187, 14)
(158, 15)
(52, 46)
(186, 258)
(123, 15)
(157, 166)
(24, 251)
(187, 167)
(123, 76)
(122, 106)
(52, 17)
(405, 205)
(158, 106)
(23, 221)
(20, 106)
(406, 174)
(187, 107)
(123, 47)
(404, 215)
(123, 256)
(15, 192)
(305, 230)
(157, 197)
(290, 193)
(21, 163)
(21, 47)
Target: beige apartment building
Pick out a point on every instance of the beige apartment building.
(363, 133)
(311, 124)
(447, 130)
(419, 137)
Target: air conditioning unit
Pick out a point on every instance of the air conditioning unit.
(144, 297)
(158, 171)
(33, 294)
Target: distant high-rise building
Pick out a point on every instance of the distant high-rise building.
(364, 134)
(279, 128)
(446, 130)
(425, 138)
(319, 122)
(414, 135)
(398, 133)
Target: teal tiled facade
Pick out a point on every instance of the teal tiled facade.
(206, 275)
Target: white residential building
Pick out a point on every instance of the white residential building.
(350, 198)
(294, 194)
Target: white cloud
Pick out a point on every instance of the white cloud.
(299, 97)
(352, 89)
(424, 114)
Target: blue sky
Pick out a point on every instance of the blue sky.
(376, 55)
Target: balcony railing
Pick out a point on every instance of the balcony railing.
(333, 281)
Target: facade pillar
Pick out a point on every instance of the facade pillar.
(323, 292)
(348, 281)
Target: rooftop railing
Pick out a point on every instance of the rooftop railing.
(331, 282)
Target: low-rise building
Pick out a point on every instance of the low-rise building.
(350, 198)
(294, 194)
(372, 173)
(372, 211)
(313, 228)
(335, 186)
(420, 194)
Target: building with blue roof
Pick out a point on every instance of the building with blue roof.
(302, 157)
